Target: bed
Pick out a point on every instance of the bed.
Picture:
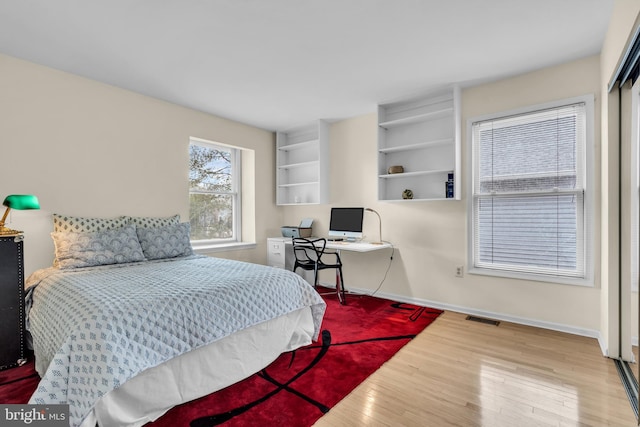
(123, 334)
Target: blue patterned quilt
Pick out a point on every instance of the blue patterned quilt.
(94, 328)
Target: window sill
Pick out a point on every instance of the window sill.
(533, 277)
(205, 248)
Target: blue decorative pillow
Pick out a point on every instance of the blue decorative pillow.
(78, 224)
(166, 242)
(152, 221)
(86, 249)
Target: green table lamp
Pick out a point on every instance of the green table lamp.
(19, 202)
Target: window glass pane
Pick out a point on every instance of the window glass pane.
(530, 233)
(210, 169)
(211, 216)
(531, 156)
(533, 152)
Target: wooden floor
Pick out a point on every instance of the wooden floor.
(463, 373)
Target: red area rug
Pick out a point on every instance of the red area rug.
(298, 387)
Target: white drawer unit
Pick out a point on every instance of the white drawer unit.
(276, 255)
(280, 255)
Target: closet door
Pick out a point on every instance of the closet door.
(634, 226)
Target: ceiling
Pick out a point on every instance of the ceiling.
(277, 64)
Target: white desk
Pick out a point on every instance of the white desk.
(280, 250)
(355, 246)
(280, 254)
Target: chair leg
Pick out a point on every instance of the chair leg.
(340, 287)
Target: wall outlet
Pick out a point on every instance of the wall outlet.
(460, 271)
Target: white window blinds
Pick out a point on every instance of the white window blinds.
(529, 192)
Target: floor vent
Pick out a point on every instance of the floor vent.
(483, 320)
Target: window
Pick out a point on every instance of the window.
(214, 192)
(530, 204)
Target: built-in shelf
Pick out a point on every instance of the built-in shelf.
(311, 164)
(299, 145)
(302, 156)
(445, 112)
(423, 136)
(298, 184)
(412, 174)
(410, 147)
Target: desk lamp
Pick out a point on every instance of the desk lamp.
(19, 202)
(379, 222)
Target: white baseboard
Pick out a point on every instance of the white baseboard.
(591, 333)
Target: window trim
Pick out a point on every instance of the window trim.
(588, 213)
(236, 192)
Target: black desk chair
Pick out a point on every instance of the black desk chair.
(309, 256)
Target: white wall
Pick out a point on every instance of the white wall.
(431, 237)
(90, 149)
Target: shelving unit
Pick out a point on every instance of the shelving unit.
(423, 136)
(302, 162)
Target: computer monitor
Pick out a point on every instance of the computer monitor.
(346, 223)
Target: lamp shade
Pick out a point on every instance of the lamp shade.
(21, 202)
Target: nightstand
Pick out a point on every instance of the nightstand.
(12, 332)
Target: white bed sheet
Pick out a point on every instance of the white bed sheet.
(198, 373)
